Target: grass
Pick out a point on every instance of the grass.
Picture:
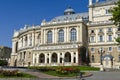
(82, 68)
(23, 75)
(54, 73)
(49, 71)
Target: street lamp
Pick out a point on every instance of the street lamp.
(101, 51)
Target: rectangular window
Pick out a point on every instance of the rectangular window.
(118, 35)
(92, 38)
(109, 29)
(109, 37)
(118, 48)
(92, 50)
(110, 49)
(100, 30)
(101, 38)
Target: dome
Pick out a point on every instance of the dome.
(69, 11)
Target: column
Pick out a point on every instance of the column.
(28, 37)
(56, 35)
(72, 56)
(97, 37)
(23, 41)
(63, 57)
(45, 35)
(76, 57)
(77, 29)
(58, 54)
(45, 58)
(13, 47)
(53, 36)
(65, 34)
(49, 58)
(105, 37)
(37, 59)
(81, 34)
(33, 38)
(42, 36)
(68, 35)
(33, 59)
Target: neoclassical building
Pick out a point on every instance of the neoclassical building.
(70, 39)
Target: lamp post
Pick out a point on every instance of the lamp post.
(101, 51)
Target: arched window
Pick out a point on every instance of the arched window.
(61, 35)
(67, 57)
(30, 38)
(38, 38)
(49, 37)
(41, 58)
(25, 40)
(54, 58)
(73, 34)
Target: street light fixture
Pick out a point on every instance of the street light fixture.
(101, 51)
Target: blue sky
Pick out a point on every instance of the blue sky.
(14, 14)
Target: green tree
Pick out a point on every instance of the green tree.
(116, 17)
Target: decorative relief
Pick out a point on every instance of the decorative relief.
(56, 47)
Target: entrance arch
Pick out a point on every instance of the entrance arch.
(42, 58)
(107, 61)
(54, 58)
(67, 57)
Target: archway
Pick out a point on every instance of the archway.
(54, 58)
(42, 58)
(67, 57)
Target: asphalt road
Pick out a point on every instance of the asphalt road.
(104, 76)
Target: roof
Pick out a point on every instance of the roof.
(102, 3)
(71, 17)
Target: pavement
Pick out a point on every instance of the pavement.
(97, 75)
(104, 76)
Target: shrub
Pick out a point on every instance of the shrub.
(3, 62)
(67, 70)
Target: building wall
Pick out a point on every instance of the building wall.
(31, 48)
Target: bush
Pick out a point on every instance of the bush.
(67, 70)
(3, 63)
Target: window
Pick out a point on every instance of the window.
(61, 36)
(110, 49)
(49, 37)
(100, 30)
(93, 58)
(73, 34)
(109, 29)
(92, 31)
(107, 11)
(25, 40)
(92, 50)
(38, 38)
(30, 38)
(92, 38)
(101, 38)
(118, 48)
(118, 35)
(109, 37)
(119, 58)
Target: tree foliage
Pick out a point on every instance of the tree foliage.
(116, 17)
(116, 14)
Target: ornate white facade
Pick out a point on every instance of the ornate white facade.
(69, 40)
